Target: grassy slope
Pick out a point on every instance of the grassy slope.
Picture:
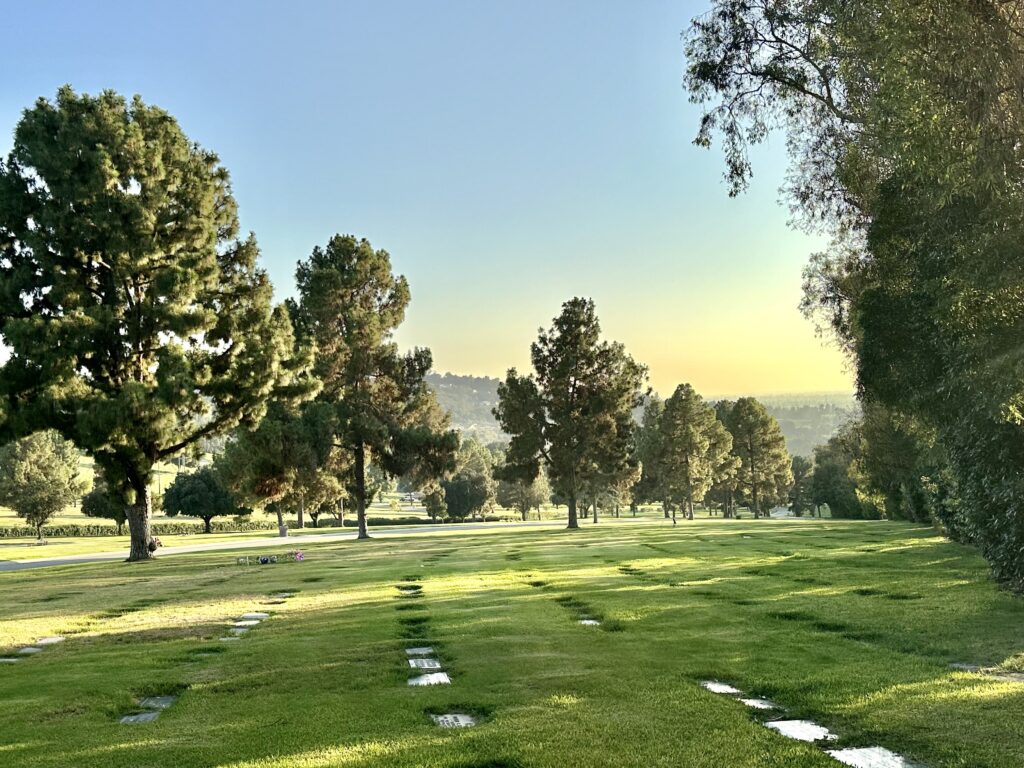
(849, 623)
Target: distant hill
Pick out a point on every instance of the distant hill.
(806, 420)
(469, 400)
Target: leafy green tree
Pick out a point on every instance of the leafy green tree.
(574, 414)
(350, 304)
(904, 122)
(287, 456)
(471, 489)
(39, 477)
(694, 446)
(138, 320)
(837, 481)
(434, 501)
(800, 495)
(201, 494)
(764, 474)
(524, 495)
(101, 503)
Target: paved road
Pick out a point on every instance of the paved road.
(270, 541)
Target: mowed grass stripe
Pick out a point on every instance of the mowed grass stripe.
(323, 681)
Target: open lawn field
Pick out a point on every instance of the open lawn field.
(850, 624)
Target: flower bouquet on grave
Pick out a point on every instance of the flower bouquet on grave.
(298, 555)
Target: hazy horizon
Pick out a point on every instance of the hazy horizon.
(508, 158)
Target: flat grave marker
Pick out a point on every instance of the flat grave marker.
(256, 615)
(238, 630)
(871, 757)
(454, 720)
(423, 650)
(228, 639)
(141, 717)
(6, 660)
(431, 678)
(590, 622)
(246, 623)
(760, 703)
(157, 702)
(424, 663)
(716, 687)
(29, 650)
(50, 640)
(802, 730)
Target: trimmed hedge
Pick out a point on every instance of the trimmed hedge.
(159, 529)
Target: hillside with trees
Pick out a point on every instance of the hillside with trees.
(807, 421)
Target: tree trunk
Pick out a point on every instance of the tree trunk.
(524, 513)
(302, 512)
(39, 532)
(139, 523)
(360, 470)
(573, 521)
(206, 525)
(664, 508)
(689, 509)
(595, 513)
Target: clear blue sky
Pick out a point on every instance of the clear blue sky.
(508, 156)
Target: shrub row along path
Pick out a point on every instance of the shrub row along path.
(270, 541)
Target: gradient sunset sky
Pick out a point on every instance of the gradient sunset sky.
(507, 155)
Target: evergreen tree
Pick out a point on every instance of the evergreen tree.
(694, 446)
(800, 496)
(138, 319)
(350, 304)
(574, 414)
(764, 474)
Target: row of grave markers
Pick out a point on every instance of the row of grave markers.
(31, 650)
(806, 730)
(422, 658)
(151, 706)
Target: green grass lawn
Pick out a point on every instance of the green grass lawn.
(852, 624)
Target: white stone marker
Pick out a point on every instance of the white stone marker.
(50, 640)
(238, 630)
(228, 639)
(142, 717)
(256, 615)
(157, 702)
(802, 730)
(760, 703)
(283, 595)
(28, 651)
(9, 661)
(408, 591)
(454, 720)
(246, 623)
(590, 622)
(716, 687)
(431, 678)
(424, 663)
(424, 650)
(870, 757)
